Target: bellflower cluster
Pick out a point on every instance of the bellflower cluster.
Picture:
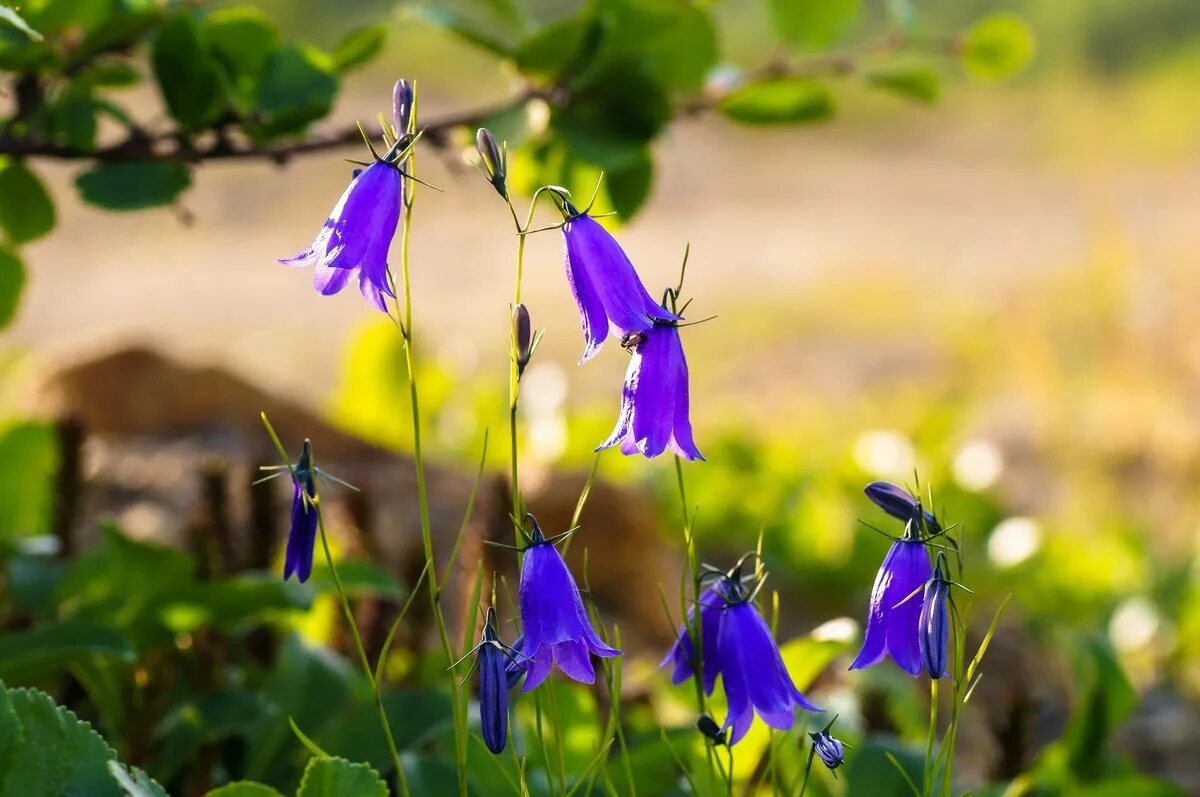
(907, 618)
(745, 655)
(557, 629)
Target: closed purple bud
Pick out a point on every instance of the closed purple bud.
(899, 503)
(493, 689)
(302, 534)
(831, 751)
(494, 161)
(403, 98)
(935, 624)
(522, 336)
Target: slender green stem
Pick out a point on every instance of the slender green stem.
(537, 710)
(927, 785)
(362, 653)
(514, 386)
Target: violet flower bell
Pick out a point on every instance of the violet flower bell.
(655, 403)
(355, 239)
(682, 655)
(607, 289)
(893, 620)
(302, 534)
(935, 621)
(557, 629)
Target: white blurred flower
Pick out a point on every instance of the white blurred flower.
(978, 464)
(1134, 624)
(884, 452)
(543, 402)
(1014, 540)
(839, 629)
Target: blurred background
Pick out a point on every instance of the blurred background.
(993, 292)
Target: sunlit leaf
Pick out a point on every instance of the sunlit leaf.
(12, 282)
(997, 47)
(813, 23)
(358, 47)
(337, 777)
(779, 101)
(134, 782)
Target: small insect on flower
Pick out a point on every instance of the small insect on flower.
(607, 289)
(893, 619)
(302, 533)
(935, 621)
(655, 404)
(711, 731)
(491, 659)
(557, 629)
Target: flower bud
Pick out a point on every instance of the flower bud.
(523, 338)
(900, 504)
(934, 628)
(494, 160)
(831, 751)
(403, 98)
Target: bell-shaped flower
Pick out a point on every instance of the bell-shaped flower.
(355, 239)
(302, 535)
(607, 289)
(901, 504)
(655, 405)
(556, 626)
(682, 653)
(935, 622)
(894, 616)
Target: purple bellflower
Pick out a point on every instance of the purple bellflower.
(894, 616)
(355, 238)
(935, 621)
(654, 402)
(556, 625)
(681, 655)
(492, 657)
(302, 535)
(607, 289)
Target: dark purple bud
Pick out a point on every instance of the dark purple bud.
(899, 503)
(709, 728)
(934, 631)
(403, 98)
(522, 333)
(493, 689)
(495, 163)
(831, 751)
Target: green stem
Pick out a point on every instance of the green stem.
(927, 786)
(514, 386)
(537, 710)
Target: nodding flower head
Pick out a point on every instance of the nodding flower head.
(355, 239)
(607, 289)
(492, 659)
(557, 629)
(830, 750)
(494, 163)
(935, 621)
(682, 653)
(655, 402)
(302, 534)
(901, 504)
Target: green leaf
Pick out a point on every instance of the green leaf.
(61, 755)
(610, 120)
(869, 772)
(337, 777)
(779, 101)
(428, 775)
(74, 117)
(28, 462)
(11, 733)
(205, 720)
(1104, 700)
(135, 782)
(244, 788)
(358, 47)
(628, 188)
(241, 38)
(231, 603)
(30, 580)
(550, 50)
(110, 74)
(298, 87)
(13, 18)
(26, 211)
(189, 82)
(413, 716)
(673, 42)
(997, 47)
(12, 281)
(360, 578)
(49, 648)
(813, 23)
(133, 185)
(916, 83)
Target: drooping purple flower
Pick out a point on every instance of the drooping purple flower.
(899, 503)
(935, 622)
(753, 672)
(557, 629)
(894, 616)
(492, 659)
(302, 535)
(357, 235)
(607, 289)
(654, 402)
(830, 750)
(682, 652)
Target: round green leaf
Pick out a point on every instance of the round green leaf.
(186, 75)
(337, 777)
(813, 23)
(997, 47)
(915, 83)
(779, 101)
(135, 782)
(46, 648)
(242, 38)
(61, 755)
(11, 733)
(12, 280)
(244, 788)
(26, 211)
(628, 188)
(358, 47)
(298, 87)
(133, 185)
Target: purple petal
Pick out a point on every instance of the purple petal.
(573, 660)
(911, 570)
(733, 676)
(329, 281)
(539, 667)
(620, 432)
(592, 319)
(550, 601)
(681, 424)
(302, 537)
(655, 391)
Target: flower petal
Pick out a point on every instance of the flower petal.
(572, 658)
